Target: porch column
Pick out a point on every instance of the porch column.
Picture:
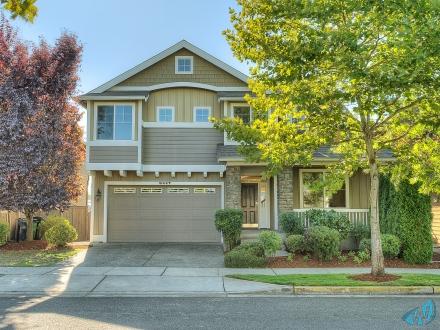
(285, 190)
(232, 187)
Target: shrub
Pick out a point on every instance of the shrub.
(291, 223)
(342, 258)
(271, 242)
(61, 234)
(390, 245)
(330, 219)
(51, 221)
(358, 232)
(362, 256)
(229, 222)
(294, 243)
(245, 256)
(406, 213)
(323, 242)
(255, 248)
(4, 232)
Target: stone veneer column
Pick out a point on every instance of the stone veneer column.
(285, 190)
(232, 187)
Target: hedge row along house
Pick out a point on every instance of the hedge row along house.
(160, 169)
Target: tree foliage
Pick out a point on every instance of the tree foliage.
(361, 76)
(25, 9)
(41, 147)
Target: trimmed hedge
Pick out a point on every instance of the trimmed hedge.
(330, 219)
(61, 234)
(390, 245)
(229, 222)
(323, 242)
(294, 243)
(406, 213)
(291, 223)
(247, 255)
(4, 232)
(271, 242)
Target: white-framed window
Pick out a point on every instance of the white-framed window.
(184, 64)
(165, 114)
(151, 190)
(178, 190)
(242, 111)
(114, 122)
(124, 190)
(202, 114)
(200, 190)
(311, 198)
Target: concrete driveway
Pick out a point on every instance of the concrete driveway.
(154, 255)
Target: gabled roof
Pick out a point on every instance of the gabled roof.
(167, 52)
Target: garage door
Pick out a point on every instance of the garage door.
(163, 213)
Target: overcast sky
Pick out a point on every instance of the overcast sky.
(118, 35)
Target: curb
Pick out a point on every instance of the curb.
(366, 290)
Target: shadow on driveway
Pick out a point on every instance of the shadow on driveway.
(153, 255)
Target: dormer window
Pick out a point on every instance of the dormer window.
(184, 64)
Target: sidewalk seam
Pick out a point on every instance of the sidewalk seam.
(164, 270)
(103, 278)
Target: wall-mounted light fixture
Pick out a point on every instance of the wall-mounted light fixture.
(98, 195)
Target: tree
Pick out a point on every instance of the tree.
(359, 76)
(41, 147)
(25, 9)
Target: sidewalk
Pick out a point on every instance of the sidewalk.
(151, 281)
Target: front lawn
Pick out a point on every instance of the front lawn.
(340, 280)
(35, 258)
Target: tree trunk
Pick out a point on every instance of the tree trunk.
(29, 220)
(377, 264)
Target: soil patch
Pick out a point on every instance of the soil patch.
(375, 278)
(25, 245)
(300, 262)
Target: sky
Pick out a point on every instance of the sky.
(117, 35)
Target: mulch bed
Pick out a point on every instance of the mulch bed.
(436, 257)
(24, 245)
(299, 262)
(377, 278)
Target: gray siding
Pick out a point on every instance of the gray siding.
(113, 154)
(170, 146)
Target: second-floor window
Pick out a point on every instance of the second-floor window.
(243, 112)
(202, 114)
(184, 64)
(114, 122)
(165, 114)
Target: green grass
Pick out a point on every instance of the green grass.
(340, 280)
(35, 258)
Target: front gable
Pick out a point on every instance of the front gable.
(163, 72)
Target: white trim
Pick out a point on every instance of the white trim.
(180, 84)
(112, 166)
(98, 239)
(231, 98)
(202, 108)
(139, 128)
(164, 107)
(104, 237)
(154, 124)
(114, 104)
(112, 143)
(176, 65)
(230, 114)
(183, 168)
(92, 205)
(166, 53)
(323, 170)
(111, 98)
(275, 201)
(89, 131)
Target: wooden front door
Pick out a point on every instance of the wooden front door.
(249, 204)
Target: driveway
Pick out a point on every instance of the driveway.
(154, 255)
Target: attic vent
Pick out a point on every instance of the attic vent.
(178, 190)
(151, 190)
(124, 190)
(204, 190)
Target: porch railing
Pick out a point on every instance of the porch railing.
(356, 216)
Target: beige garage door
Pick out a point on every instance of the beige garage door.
(163, 213)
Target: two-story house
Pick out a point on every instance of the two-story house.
(160, 170)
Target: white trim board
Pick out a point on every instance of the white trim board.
(166, 107)
(104, 237)
(176, 64)
(167, 52)
(179, 84)
(153, 124)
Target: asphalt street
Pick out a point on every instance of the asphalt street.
(210, 313)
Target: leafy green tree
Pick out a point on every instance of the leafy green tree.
(25, 9)
(361, 76)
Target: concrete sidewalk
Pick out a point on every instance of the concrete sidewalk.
(151, 281)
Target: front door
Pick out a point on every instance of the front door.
(249, 204)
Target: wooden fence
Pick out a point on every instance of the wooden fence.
(78, 216)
